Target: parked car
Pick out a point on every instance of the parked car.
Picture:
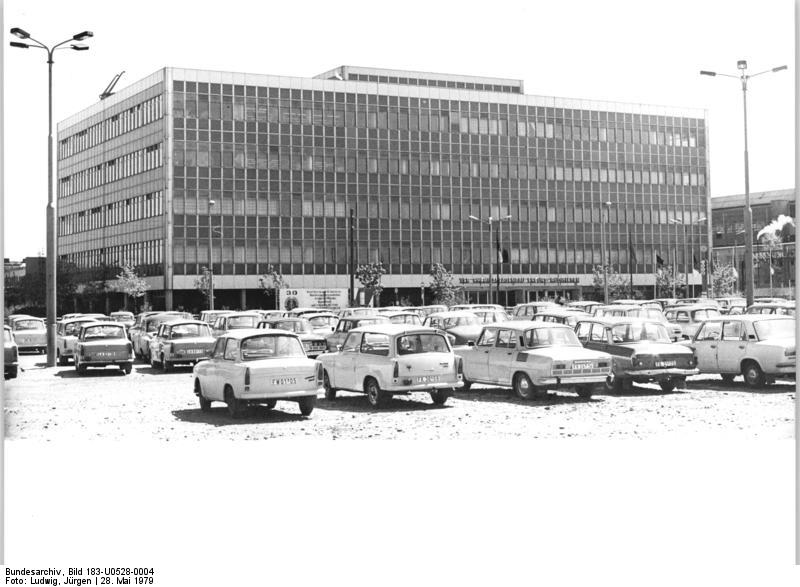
(474, 307)
(781, 308)
(127, 319)
(210, 316)
(759, 347)
(614, 310)
(490, 316)
(313, 343)
(427, 310)
(140, 339)
(257, 366)
(67, 336)
(382, 360)
(298, 312)
(322, 322)
(642, 351)
(180, 342)
(689, 317)
(102, 344)
(403, 317)
(30, 334)
(532, 357)
(653, 313)
(350, 312)
(462, 325)
(559, 316)
(727, 303)
(235, 321)
(529, 310)
(582, 305)
(345, 325)
(10, 354)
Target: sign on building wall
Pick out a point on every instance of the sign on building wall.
(290, 298)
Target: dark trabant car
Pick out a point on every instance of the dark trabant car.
(642, 351)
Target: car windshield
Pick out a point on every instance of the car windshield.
(322, 321)
(410, 344)
(122, 315)
(649, 313)
(190, 331)
(639, 332)
(29, 325)
(460, 321)
(103, 331)
(766, 329)
(551, 337)
(705, 314)
(74, 328)
(374, 320)
(290, 325)
(235, 322)
(405, 319)
(271, 347)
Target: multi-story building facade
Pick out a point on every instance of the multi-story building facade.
(770, 278)
(413, 155)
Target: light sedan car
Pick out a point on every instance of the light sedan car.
(103, 344)
(180, 342)
(642, 351)
(67, 336)
(236, 321)
(322, 322)
(382, 360)
(10, 354)
(689, 317)
(257, 366)
(345, 325)
(532, 357)
(759, 347)
(462, 325)
(30, 334)
(403, 317)
(314, 344)
(780, 309)
(127, 319)
(560, 316)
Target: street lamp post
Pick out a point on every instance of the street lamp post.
(603, 220)
(50, 274)
(688, 249)
(741, 65)
(211, 204)
(491, 261)
(352, 258)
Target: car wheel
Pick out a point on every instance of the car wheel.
(728, 377)
(523, 386)
(153, 363)
(236, 407)
(467, 384)
(205, 404)
(271, 403)
(62, 360)
(375, 395)
(584, 391)
(12, 372)
(614, 384)
(753, 375)
(667, 385)
(330, 392)
(307, 404)
(165, 364)
(127, 368)
(439, 396)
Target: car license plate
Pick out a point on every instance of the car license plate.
(104, 354)
(284, 381)
(428, 379)
(582, 364)
(193, 351)
(665, 363)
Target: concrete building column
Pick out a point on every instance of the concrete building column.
(243, 299)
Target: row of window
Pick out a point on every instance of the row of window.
(241, 109)
(134, 117)
(115, 169)
(437, 83)
(142, 253)
(263, 157)
(128, 210)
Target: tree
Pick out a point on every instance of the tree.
(667, 282)
(369, 275)
(444, 287)
(724, 280)
(129, 283)
(618, 285)
(272, 281)
(203, 283)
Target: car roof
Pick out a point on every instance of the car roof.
(692, 307)
(612, 320)
(536, 304)
(561, 312)
(754, 317)
(526, 325)
(452, 314)
(246, 332)
(321, 313)
(392, 329)
(186, 321)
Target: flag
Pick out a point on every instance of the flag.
(631, 250)
(696, 264)
(659, 261)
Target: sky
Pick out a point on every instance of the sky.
(618, 50)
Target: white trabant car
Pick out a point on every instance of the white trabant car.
(67, 336)
(180, 342)
(532, 357)
(10, 354)
(759, 347)
(103, 344)
(257, 366)
(30, 334)
(382, 360)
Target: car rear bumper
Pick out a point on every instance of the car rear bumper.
(645, 375)
(570, 380)
(398, 386)
(106, 363)
(260, 394)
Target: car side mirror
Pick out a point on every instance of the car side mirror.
(470, 343)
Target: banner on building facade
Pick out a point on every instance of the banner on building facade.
(323, 298)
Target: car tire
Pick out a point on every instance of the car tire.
(753, 375)
(439, 396)
(165, 364)
(236, 407)
(467, 384)
(270, 403)
(307, 404)
(205, 404)
(330, 392)
(153, 363)
(12, 372)
(127, 369)
(81, 369)
(523, 387)
(728, 377)
(375, 395)
(585, 391)
(62, 360)
(614, 384)
(667, 385)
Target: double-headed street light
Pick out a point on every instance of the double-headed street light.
(489, 221)
(211, 204)
(50, 283)
(748, 212)
(688, 249)
(603, 260)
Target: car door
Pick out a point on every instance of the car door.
(501, 357)
(478, 368)
(705, 344)
(732, 348)
(344, 375)
(582, 330)
(209, 371)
